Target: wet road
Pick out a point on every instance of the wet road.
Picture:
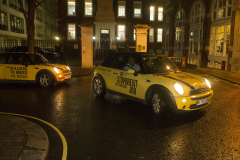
(115, 128)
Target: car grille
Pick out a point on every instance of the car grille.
(66, 71)
(199, 91)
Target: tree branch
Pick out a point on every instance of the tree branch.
(23, 10)
(39, 3)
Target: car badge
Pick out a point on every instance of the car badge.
(125, 74)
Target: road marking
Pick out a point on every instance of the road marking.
(64, 142)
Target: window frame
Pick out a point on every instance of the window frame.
(159, 35)
(153, 13)
(216, 9)
(86, 8)
(134, 4)
(160, 13)
(70, 30)
(118, 11)
(194, 16)
(124, 32)
(151, 35)
(68, 10)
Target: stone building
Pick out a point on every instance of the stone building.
(112, 20)
(207, 32)
(13, 24)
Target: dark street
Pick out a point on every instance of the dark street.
(116, 128)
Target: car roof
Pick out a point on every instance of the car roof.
(141, 54)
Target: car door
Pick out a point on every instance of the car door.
(3, 59)
(129, 83)
(15, 68)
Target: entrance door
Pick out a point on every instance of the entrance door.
(105, 38)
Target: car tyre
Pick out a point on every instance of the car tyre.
(157, 101)
(45, 80)
(99, 86)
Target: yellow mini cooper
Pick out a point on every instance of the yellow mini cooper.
(27, 67)
(154, 80)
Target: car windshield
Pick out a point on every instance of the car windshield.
(159, 65)
(40, 59)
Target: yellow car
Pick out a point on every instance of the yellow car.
(20, 67)
(153, 80)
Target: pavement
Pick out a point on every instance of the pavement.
(21, 139)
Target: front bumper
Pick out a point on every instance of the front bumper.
(63, 77)
(190, 102)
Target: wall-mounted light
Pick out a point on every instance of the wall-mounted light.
(94, 38)
(57, 38)
(118, 38)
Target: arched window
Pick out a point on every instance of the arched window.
(197, 14)
(196, 32)
(179, 35)
(222, 9)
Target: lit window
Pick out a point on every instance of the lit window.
(137, 9)
(88, 7)
(160, 13)
(152, 15)
(121, 8)
(121, 32)
(159, 35)
(71, 7)
(151, 35)
(71, 31)
(134, 34)
(3, 21)
(222, 9)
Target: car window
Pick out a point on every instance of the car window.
(16, 59)
(3, 59)
(132, 62)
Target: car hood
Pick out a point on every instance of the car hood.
(64, 67)
(187, 79)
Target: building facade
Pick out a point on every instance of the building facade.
(207, 32)
(112, 20)
(13, 24)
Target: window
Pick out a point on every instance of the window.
(3, 21)
(160, 13)
(197, 14)
(222, 9)
(121, 8)
(151, 35)
(159, 35)
(179, 40)
(134, 34)
(88, 7)
(137, 9)
(16, 24)
(39, 15)
(152, 15)
(167, 42)
(39, 30)
(71, 7)
(3, 2)
(47, 33)
(15, 5)
(195, 41)
(71, 31)
(121, 32)
(220, 40)
(180, 19)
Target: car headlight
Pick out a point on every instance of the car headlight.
(208, 83)
(68, 68)
(56, 70)
(178, 88)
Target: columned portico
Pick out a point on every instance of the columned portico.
(141, 37)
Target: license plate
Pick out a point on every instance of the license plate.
(202, 101)
(67, 77)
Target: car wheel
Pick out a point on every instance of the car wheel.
(99, 86)
(157, 102)
(45, 79)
